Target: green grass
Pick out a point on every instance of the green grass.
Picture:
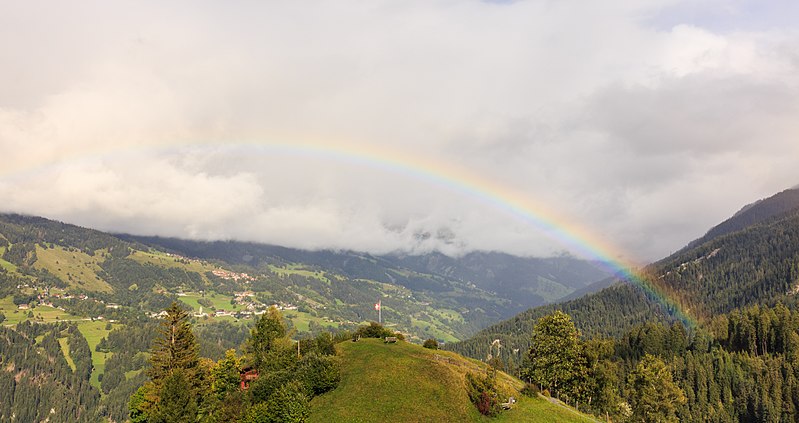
(229, 319)
(445, 313)
(434, 329)
(302, 320)
(396, 382)
(5, 264)
(65, 349)
(162, 260)
(540, 410)
(93, 331)
(41, 314)
(76, 268)
(220, 302)
(50, 314)
(297, 269)
(130, 374)
(13, 315)
(405, 382)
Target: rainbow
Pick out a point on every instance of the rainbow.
(554, 225)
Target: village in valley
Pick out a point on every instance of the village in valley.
(42, 303)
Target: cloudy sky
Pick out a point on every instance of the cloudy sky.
(365, 124)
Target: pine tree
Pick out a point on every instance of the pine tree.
(176, 382)
(177, 404)
(175, 348)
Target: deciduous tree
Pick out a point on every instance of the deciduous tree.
(554, 356)
(653, 394)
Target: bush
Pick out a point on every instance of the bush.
(530, 390)
(546, 393)
(373, 330)
(20, 299)
(319, 374)
(230, 409)
(325, 344)
(483, 394)
(431, 344)
(376, 330)
(262, 388)
(486, 404)
(258, 413)
(288, 404)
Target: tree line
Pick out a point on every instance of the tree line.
(181, 386)
(743, 366)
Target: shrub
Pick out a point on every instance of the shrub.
(258, 413)
(376, 330)
(546, 393)
(319, 374)
(431, 344)
(486, 404)
(530, 390)
(288, 404)
(231, 409)
(262, 388)
(483, 394)
(205, 302)
(325, 344)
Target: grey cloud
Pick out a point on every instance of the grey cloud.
(136, 117)
(696, 115)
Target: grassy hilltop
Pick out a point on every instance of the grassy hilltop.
(407, 383)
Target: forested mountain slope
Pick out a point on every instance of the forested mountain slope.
(521, 278)
(37, 381)
(755, 265)
(523, 281)
(425, 296)
(752, 214)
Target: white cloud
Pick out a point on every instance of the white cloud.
(130, 117)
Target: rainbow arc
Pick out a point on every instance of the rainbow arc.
(571, 235)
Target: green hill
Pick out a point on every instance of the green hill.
(407, 383)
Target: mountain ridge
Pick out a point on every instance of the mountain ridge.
(448, 301)
(730, 269)
(753, 213)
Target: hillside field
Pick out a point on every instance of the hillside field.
(405, 382)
